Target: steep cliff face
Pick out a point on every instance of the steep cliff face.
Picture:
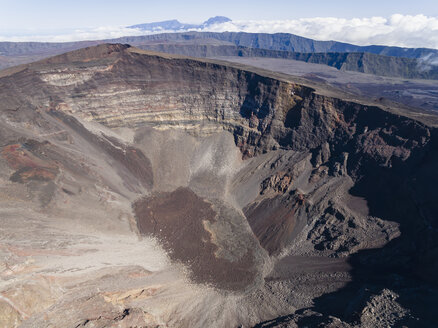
(119, 87)
(241, 178)
(126, 88)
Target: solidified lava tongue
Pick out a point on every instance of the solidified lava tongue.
(181, 221)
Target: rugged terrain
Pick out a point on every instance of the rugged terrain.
(142, 189)
(399, 62)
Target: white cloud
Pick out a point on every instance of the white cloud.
(397, 30)
(99, 33)
(427, 62)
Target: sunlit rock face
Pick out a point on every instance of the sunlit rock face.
(143, 189)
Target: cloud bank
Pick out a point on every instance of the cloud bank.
(396, 30)
(98, 33)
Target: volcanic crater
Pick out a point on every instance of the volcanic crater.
(230, 195)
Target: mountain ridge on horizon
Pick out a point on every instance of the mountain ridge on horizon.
(280, 41)
(279, 45)
(176, 25)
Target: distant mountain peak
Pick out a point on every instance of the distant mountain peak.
(175, 25)
(163, 25)
(216, 20)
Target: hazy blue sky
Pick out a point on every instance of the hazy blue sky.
(49, 14)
